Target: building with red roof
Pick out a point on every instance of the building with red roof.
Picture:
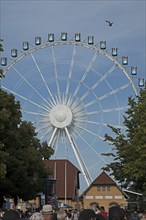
(67, 180)
(103, 191)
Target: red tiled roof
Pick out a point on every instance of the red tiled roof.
(103, 179)
(66, 174)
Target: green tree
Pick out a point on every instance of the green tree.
(129, 148)
(46, 151)
(3, 155)
(23, 170)
(3, 159)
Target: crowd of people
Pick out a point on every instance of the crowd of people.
(48, 213)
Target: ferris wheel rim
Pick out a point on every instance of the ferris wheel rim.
(70, 42)
(61, 117)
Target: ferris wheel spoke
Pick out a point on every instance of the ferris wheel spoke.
(119, 109)
(90, 132)
(114, 91)
(37, 114)
(102, 123)
(56, 74)
(91, 102)
(98, 82)
(44, 131)
(90, 146)
(66, 148)
(93, 113)
(24, 98)
(52, 137)
(70, 70)
(85, 74)
(88, 121)
(45, 134)
(115, 96)
(81, 115)
(75, 104)
(44, 126)
(55, 144)
(49, 106)
(79, 159)
(107, 110)
(114, 109)
(69, 101)
(39, 121)
(29, 84)
(43, 78)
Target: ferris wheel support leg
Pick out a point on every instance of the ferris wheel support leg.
(52, 137)
(79, 159)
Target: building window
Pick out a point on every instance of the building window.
(108, 188)
(103, 188)
(98, 197)
(108, 197)
(98, 188)
(118, 197)
(89, 197)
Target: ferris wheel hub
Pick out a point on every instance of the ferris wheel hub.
(60, 116)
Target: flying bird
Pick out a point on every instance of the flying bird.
(109, 23)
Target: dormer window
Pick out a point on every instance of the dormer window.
(103, 188)
(98, 188)
(108, 188)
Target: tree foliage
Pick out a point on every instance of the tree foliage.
(3, 155)
(22, 170)
(129, 148)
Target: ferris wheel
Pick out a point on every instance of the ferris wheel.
(71, 90)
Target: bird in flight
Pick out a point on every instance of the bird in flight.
(109, 23)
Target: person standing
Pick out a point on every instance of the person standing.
(103, 212)
(11, 215)
(47, 212)
(36, 216)
(134, 216)
(61, 215)
(115, 212)
(87, 214)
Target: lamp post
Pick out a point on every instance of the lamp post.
(50, 192)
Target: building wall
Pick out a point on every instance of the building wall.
(103, 197)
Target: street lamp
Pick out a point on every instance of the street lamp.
(50, 192)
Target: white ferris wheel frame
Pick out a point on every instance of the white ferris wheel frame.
(61, 115)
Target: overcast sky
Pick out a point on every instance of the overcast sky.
(23, 20)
